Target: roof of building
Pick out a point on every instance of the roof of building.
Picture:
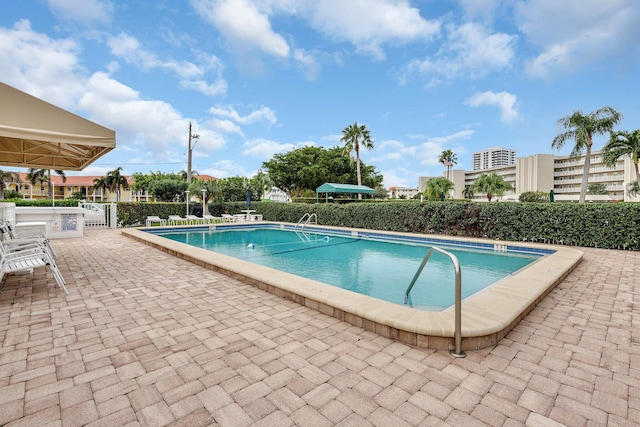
(88, 180)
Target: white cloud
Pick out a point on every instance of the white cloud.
(503, 100)
(470, 51)
(41, 66)
(84, 12)
(192, 76)
(307, 62)
(429, 151)
(597, 31)
(264, 148)
(225, 126)
(243, 25)
(263, 114)
(377, 23)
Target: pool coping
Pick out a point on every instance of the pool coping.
(487, 316)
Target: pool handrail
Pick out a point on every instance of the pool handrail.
(308, 216)
(457, 352)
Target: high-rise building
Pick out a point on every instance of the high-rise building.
(493, 157)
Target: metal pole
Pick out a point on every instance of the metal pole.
(204, 193)
(189, 158)
(187, 201)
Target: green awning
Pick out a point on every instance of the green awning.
(329, 187)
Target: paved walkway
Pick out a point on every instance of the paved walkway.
(144, 338)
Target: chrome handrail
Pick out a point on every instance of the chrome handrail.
(309, 217)
(457, 352)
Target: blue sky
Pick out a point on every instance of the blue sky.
(259, 77)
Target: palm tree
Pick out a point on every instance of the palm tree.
(354, 137)
(491, 185)
(101, 185)
(115, 181)
(581, 128)
(468, 192)
(44, 175)
(212, 187)
(623, 144)
(7, 177)
(448, 158)
(437, 188)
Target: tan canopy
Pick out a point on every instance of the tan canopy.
(36, 134)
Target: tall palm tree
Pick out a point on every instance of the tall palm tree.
(623, 144)
(581, 128)
(437, 188)
(448, 158)
(491, 184)
(44, 175)
(116, 181)
(354, 137)
(7, 177)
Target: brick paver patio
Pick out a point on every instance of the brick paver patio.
(144, 338)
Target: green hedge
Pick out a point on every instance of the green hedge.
(602, 225)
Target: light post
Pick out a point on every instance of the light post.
(187, 201)
(204, 201)
(189, 155)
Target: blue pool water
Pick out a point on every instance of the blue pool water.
(381, 269)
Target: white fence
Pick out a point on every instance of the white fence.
(99, 215)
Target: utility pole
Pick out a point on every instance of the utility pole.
(191, 137)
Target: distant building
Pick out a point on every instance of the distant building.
(490, 158)
(543, 172)
(276, 195)
(402, 192)
(83, 185)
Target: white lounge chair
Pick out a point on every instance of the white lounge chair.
(193, 219)
(13, 242)
(176, 220)
(27, 258)
(209, 219)
(154, 219)
(228, 218)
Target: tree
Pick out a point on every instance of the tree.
(7, 177)
(307, 168)
(116, 181)
(624, 144)
(597, 188)
(448, 158)
(44, 175)
(468, 192)
(262, 182)
(633, 188)
(101, 185)
(169, 190)
(211, 185)
(438, 188)
(354, 137)
(492, 185)
(581, 128)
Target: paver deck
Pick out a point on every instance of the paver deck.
(144, 338)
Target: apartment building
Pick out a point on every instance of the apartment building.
(79, 184)
(402, 192)
(563, 174)
(494, 157)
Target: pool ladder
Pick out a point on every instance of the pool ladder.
(307, 219)
(457, 352)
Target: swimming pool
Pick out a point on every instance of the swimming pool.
(370, 266)
(487, 316)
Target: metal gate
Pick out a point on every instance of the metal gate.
(99, 215)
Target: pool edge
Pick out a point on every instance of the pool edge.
(486, 317)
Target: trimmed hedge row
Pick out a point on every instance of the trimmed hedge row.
(602, 225)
